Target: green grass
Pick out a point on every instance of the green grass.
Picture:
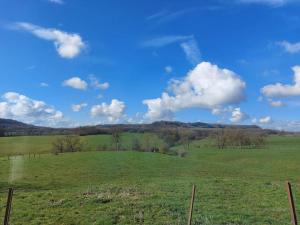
(233, 186)
(42, 144)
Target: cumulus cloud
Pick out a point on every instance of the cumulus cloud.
(94, 82)
(206, 86)
(76, 82)
(68, 45)
(191, 50)
(265, 120)
(290, 47)
(112, 112)
(22, 108)
(78, 107)
(238, 116)
(284, 90)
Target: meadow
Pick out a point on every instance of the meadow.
(234, 186)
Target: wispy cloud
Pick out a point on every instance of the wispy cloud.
(290, 47)
(43, 84)
(68, 45)
(165, 16)
(274, 3)
(95, 83)
(191, 50)
(59, 2)
(165, 40)
(187, 43)
(78, 107)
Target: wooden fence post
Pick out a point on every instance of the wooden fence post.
(8, 206)
(292, 204)
(192, 205)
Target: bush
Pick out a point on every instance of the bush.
(136, 145)
(102, 147)
(69, 143)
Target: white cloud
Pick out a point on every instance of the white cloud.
(78, 107)
(290, 47)
(188, 44)
(284, 90)
(265, 120)
(20, 107)
(191, 50)
(43, 84)
(60, 2)
(68, 45)
(75, 82)
(206, 86)
(254, 120)
(94, 82)
(168, 69)
(274, 3)
(112, 112)
(276, 103)
(164, 16)
(238, 116)
(165, 40)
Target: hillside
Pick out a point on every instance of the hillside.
(16, 128)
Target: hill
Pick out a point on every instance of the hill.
(16, 128)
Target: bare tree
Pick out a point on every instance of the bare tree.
(116, 137)
(69, 143)
(136, 144)
(186, 138)
(239, 138)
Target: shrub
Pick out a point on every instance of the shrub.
(69, 143)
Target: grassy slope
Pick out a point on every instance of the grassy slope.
(234, 186)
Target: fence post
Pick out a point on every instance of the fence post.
(192, 205)
(292, 204)
(8, 206)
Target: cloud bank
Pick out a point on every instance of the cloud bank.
(22, 108)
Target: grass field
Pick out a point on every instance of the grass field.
(233, 186)
(43, 144)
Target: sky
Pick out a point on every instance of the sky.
(66, 63)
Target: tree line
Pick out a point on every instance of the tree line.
(230, 137)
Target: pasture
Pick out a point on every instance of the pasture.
(234, 186)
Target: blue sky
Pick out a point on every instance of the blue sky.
(75, 62)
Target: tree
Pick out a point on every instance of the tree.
(185, 138)
(221, 139)
(69, 143)
(73, 143)
(136, 145)
(2, 132)
(116, 138)
(58, 146)
(239, 138)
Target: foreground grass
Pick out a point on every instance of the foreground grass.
(233, 186)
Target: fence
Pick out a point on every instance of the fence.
(190, 213)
